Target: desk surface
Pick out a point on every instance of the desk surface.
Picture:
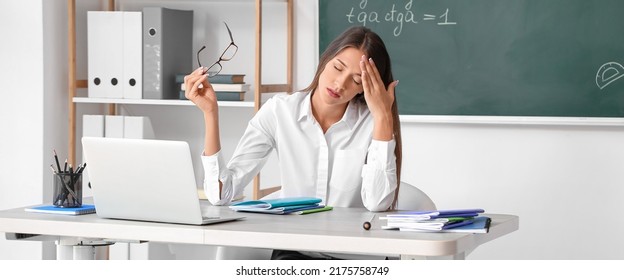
(339, 230)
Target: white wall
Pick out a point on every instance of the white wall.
(21, 112)
(549, 175)
(565, 183)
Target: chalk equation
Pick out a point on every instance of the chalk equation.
(399, 17)
(609, 73)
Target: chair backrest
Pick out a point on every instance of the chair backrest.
(412, 198)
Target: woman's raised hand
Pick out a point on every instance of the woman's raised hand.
(197, 88)
(378, 98)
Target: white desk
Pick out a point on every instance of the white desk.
(337, 231)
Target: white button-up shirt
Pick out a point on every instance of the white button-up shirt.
(344, 166)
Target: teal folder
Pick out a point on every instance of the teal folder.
(283, 210)
(274, 203)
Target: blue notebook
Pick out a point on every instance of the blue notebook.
(51, 209)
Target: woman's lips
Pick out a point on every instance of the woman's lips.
(332, 93)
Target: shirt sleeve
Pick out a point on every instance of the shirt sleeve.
(379, 176)
(212, 165)
(252, 152)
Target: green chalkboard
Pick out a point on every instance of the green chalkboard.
(495, 57)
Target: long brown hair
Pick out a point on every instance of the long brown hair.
(369, 43)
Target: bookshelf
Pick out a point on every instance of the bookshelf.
(258, 86)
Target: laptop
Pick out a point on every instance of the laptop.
(146, 180)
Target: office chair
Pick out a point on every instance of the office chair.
(412, 198)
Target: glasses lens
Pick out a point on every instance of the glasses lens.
(229, 52)
(214, 69)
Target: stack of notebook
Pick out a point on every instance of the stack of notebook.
(459, 220)
(296, 205)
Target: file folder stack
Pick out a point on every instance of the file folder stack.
(115, 54)
(435, 221)
(279, 206)
(137, 54)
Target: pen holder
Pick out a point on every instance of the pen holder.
(67, 190)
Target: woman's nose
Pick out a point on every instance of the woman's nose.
(341, 81)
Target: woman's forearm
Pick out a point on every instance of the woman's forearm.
(212, 142)
(383, 128)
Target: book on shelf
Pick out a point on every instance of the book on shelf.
(51, 209)
(223, 96)
(278, 206)
(225, 87)
(480, 224)
(218, 79)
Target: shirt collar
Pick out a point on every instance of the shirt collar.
(305, 108)
(350, 117)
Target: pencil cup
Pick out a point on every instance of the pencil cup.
(67, 190)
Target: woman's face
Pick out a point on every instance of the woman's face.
(341, 79)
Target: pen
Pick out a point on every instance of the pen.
(368, 224)
(58, 165)
(81, 168)
(65, 166)
(71, 176)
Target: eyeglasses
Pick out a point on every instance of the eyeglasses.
(227, 55)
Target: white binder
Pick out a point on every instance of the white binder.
(92, 126)
(138, 127)
(132, 55)
(105, 54)
(114, 126)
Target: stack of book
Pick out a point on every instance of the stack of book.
(228, 87)
(294, 205)
(458, 220)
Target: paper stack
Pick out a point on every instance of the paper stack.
(457, 220)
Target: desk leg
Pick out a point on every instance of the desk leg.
(459, 256)
(64, 252)
(68, 248)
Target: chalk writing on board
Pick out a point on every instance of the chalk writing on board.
(399, 17)
(609, 73)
